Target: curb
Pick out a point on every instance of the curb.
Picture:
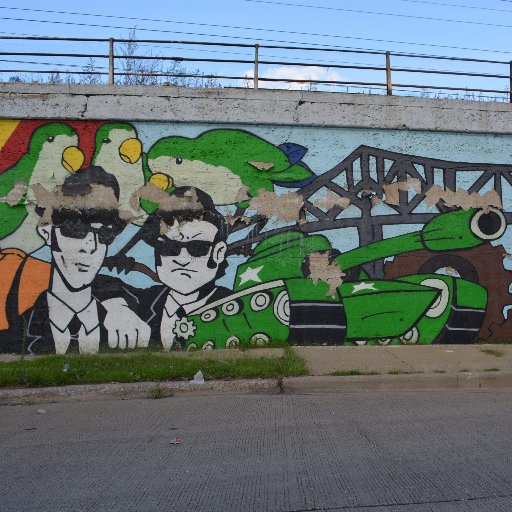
(415, 382)
(126, 391)
(477, 381)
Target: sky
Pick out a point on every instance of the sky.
(457, 28)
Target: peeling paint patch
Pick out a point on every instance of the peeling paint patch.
(321, 268)
(450, 271)
(167, 202)
(462, 198)
(16, 194)
(99, 198)
(262, 166)
(392, 190)
(284, 207)
(242, 194)
(233, 219)
(330, 200)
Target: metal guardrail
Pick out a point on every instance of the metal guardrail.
(114, 66)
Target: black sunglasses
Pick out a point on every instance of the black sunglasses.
(77, 224)
(79, 229)
(196, 248)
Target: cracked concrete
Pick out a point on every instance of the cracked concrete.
(181, 104)
(439, 451)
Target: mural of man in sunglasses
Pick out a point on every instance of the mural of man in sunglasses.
(78, 221)
(189, 239)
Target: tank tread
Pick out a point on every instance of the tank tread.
(463, 326)
(317, 322)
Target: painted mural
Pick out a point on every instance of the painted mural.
(123, 235)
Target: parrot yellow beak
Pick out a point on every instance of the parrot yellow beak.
(130, 150)
(72, 158)
(161, 180)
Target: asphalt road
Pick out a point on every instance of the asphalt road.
(409, 452)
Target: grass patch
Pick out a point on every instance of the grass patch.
(493, 352)
(403, 372)
(439, 371)
(350, 373)
(491, 369)
(137, 367)
(156, 393)
(464, 370)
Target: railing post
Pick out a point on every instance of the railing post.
(256, 48)
(510, 83)
(111, 61)
(389, 88)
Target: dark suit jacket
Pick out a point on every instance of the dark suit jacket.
(31, 333)
(151, 304)
(148, 303)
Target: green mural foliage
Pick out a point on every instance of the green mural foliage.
(224, 161)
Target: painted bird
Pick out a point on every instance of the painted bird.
(118, 150)
(231, 165)
(52, 154)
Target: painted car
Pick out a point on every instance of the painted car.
(274, 298)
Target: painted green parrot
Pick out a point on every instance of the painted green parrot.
(118, 150)
(231, 165)
(52, 154)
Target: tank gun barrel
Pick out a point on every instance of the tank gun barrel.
(460, 229)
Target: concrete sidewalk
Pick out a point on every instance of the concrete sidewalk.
(401, 359)
(403, 367)
(332, 369)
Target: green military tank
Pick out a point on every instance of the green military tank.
(275, 299)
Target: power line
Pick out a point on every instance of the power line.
(457, 5)
(45, 64)
(337, 36)
(357, 11)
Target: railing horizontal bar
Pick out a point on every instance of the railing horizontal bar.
(457, 73)
(183, 75)
(333, 82)
(48, 54)
(184, 59)
(441, 88)
(316, 65)
(50, 71)
(250, 61)
(172, 41)
(441, 57)
(67, 65)
(51, 38)
(322, 49)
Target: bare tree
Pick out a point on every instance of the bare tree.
(156, 70)
(54, 78)
(90, 69)
(138, 71)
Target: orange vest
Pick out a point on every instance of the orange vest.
(33, 279)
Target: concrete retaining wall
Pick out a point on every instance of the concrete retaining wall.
(231, 216)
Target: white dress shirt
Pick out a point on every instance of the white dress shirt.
(61, 314)
(169, 317)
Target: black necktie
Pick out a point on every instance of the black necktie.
(179, 342)
(74, 328)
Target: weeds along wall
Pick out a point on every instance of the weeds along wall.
(185, 219)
